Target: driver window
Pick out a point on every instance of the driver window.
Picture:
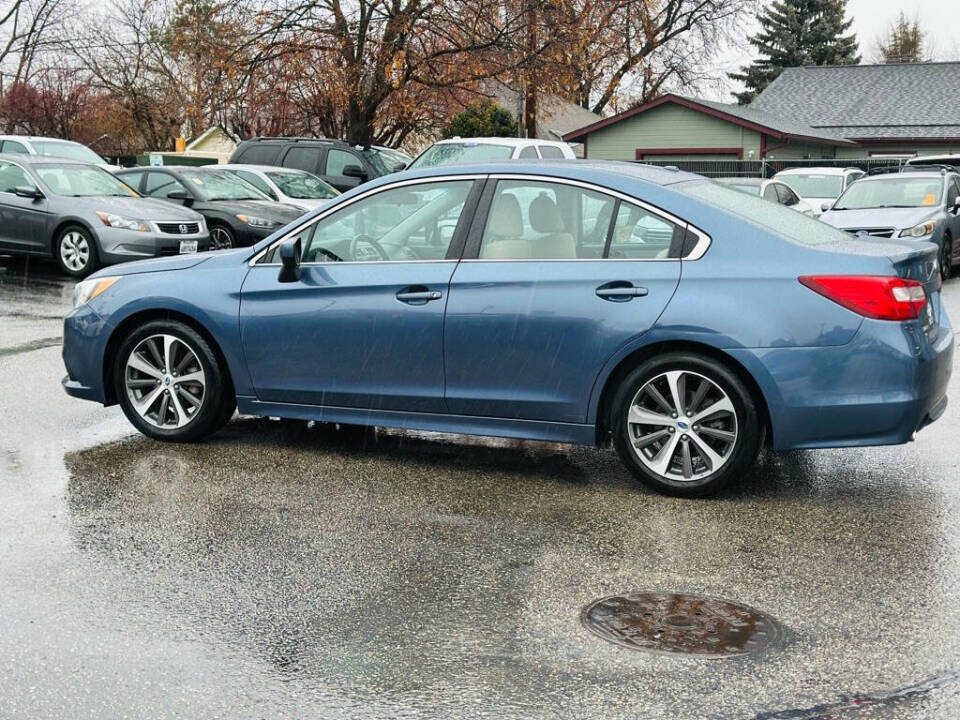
(13, 176)
(407, 223)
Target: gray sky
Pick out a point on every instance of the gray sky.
(939, 18)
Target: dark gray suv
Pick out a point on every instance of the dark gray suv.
(85, 217)
(340, 164)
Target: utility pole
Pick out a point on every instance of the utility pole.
(530, 89)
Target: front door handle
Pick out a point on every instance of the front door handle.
(418, 295)
(620, 291)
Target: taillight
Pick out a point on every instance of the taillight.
(873, 296)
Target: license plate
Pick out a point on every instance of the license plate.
(188, 246)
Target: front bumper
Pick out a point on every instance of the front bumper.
(117, 245)
(881, 388)
(83, 338)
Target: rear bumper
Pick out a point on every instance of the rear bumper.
(879, 389)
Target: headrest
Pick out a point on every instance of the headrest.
(544, 215)
(506, 220)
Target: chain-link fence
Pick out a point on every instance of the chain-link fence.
(768, 168)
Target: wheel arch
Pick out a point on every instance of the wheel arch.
(604, 421)
(63, 225)
(145, 316)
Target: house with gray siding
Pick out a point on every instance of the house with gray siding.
(832, 112)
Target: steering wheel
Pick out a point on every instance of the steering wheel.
(361, 239)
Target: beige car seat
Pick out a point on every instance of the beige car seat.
(555, 242)
(503, 236)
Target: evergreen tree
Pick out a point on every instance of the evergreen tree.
(483, 118)
(794, 33)
(904, 42)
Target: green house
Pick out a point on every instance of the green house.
(833, 112)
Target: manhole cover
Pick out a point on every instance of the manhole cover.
(674, 623)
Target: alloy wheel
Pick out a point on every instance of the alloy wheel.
(165, 381)
(74, 251)
(946, 256)
(220, 238)
(682, 426)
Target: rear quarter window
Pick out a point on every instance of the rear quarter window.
(259, 155)
(775, 218)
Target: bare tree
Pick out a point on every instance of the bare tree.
(27, 29)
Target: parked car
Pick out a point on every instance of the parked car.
(237, 213)
(530, 321)
(921, 205)
(51, 147)
(772, 190)
(339, 164)
(819, 185)
(950, 160)
(470, 150)
(293, 187)
(84, 217)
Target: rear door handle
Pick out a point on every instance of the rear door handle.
(418, 295)
(620, 291)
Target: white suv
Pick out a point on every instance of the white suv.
(54, 147)
(468, 150)
(819, 186)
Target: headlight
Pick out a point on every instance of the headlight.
(924, 228)
(87, 290)
(119, 221)
(257, 222)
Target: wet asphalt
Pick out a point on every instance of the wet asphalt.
(287, 571)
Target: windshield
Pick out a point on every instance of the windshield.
(452, 153)
(814, 186)
(220, 185)
(302, 185)
(770, 216)
(385, 160)
(82, 181)
(73, 151)
(892, 192)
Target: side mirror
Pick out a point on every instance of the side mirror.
(181, 196)
(26, 191)
(956, 205)
(354, 171)
(399, 166)
(289, 260)
(825, 206)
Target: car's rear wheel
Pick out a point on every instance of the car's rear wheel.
(685, 424)
(946, 256)
(76, 251)
(170, 384)
(221, 237)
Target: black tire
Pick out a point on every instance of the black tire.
(69, 240)
(946, 257)
(740, 454)
(216, 404)
(222, 237)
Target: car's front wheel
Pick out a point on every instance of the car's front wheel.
(685, 424)
(170, 384)
(76, 251)
(221, 238)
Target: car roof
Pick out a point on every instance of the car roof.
(740, 181)
(25, 159)
(258, 168)
(39, 137)
(603, 172)
(924, 159)
(511, 141)
(818, 171)
(929, 174)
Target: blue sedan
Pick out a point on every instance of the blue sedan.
(598, 303)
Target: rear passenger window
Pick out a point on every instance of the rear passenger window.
(545, 221)
(12, 146)
(259, 154)
(528, 152)
(550, 152)
(302, 158)
(953, 192)
(638, 234)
